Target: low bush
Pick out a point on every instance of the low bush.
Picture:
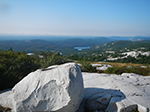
(87, 67)
(15, 65)
(132, 69)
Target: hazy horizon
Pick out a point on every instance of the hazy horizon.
(53, 38)
(74, 35)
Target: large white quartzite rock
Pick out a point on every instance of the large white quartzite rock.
(57, 88)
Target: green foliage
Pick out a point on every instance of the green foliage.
(87, 67)
(135, 110)
(141, 60)
(74, 57)
(124, 69)
(51, 58)
(14, 65)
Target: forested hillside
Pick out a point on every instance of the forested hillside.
(118, 51)
(64, 46)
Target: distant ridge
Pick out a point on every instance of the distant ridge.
(66, 45)
(56, 38)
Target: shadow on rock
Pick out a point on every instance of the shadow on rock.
(100, 100)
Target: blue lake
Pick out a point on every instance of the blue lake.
(80, 48)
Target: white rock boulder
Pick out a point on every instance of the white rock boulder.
(55, 89)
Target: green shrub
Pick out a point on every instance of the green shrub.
(15, 65)
(124, 69)
(115, 70)
(87, 67)
(135, 110)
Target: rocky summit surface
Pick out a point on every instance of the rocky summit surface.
(54, 89)
(60, 89)
(116, 93)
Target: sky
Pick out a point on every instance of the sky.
(75, 17)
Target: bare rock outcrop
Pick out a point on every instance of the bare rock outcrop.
(116, 93)
(55, 89)
(60, 89)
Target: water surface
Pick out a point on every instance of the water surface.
(80, 48)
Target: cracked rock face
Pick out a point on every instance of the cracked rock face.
(116, 93)
(55, 89)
